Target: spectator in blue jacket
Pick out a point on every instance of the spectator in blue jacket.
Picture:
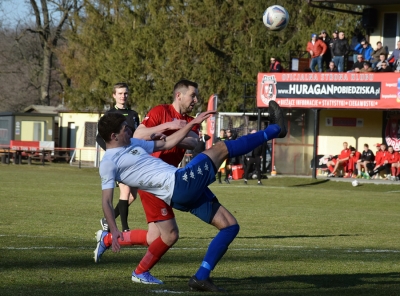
(365, 49)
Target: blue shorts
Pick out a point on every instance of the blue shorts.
(191, 192)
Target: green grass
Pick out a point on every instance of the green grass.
(298, 237)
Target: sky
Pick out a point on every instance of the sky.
(13, 10)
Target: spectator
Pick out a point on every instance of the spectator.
(355, 40)
(340, 49)
(396, 56)
(376, 54)
(385, 67)
(367, 158)
(232, 135)
(378, 65)
(365, 49)
(342, 160)
(317, 49)
(366, 67)
(334, 37)
(351, 166)
(327, 57)
(332, 67)
(357, 66)
(275, 65)
(253, 161)
(201, 144)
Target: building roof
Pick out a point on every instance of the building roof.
(44, 109)
(361, 2)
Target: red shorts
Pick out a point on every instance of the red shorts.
(155, 209)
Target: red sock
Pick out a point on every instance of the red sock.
(154, 253)
(136, 237)
(393, 171)
(330, 168)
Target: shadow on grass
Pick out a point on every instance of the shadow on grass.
(311, 184)
(328, 284)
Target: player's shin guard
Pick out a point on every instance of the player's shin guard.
(154, 253)
(137, 237)
(217, 248)
(249, 142)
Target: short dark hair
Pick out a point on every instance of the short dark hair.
(378, 42)
(184, 83)
(366, 145)
(110, 123)
(120, 85)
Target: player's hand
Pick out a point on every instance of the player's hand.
(203, 116)
(115, 244)
(157, 136)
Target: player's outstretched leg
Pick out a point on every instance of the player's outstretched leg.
(276, 116)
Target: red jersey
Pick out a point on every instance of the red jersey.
(162, 114)
(378, 157)
(345, 153)
(392, 157)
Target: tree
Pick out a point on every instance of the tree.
(152, 44)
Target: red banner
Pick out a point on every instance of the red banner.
(330, 90)
(211, 121)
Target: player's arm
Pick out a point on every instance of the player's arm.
(172, 140)
(189, 142)
(145, 133)
(107, 203)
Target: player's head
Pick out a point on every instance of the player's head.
(110, 123)
(366, 147)
(185, 95)
(390, 149)
(222, 133)
(345, 144)
(120, 93)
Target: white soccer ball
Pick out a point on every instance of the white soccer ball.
(355, 183)
(276, 18)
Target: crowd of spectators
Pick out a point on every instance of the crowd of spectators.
(323, 50)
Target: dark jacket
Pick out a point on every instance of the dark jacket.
(132, 119)
(367, 155)
(340, 47)
(275, 67)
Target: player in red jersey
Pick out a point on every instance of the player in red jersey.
(342, 160)
(395, 166)
(379, 161)
(351, 165)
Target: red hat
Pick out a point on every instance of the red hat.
(378, 145)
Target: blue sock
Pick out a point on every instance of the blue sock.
(216, 249)
(249, 142)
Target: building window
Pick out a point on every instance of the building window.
(90, 134)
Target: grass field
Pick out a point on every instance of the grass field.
(298, 237)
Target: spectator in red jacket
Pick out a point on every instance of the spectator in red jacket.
(275, 65)
(317, 49)
(342, 160)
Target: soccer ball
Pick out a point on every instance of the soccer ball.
(276, 18)
(354, 183)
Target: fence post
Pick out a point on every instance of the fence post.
(80, 154)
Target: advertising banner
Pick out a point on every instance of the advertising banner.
(330, 90)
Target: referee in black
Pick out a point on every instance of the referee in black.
(127, 196)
